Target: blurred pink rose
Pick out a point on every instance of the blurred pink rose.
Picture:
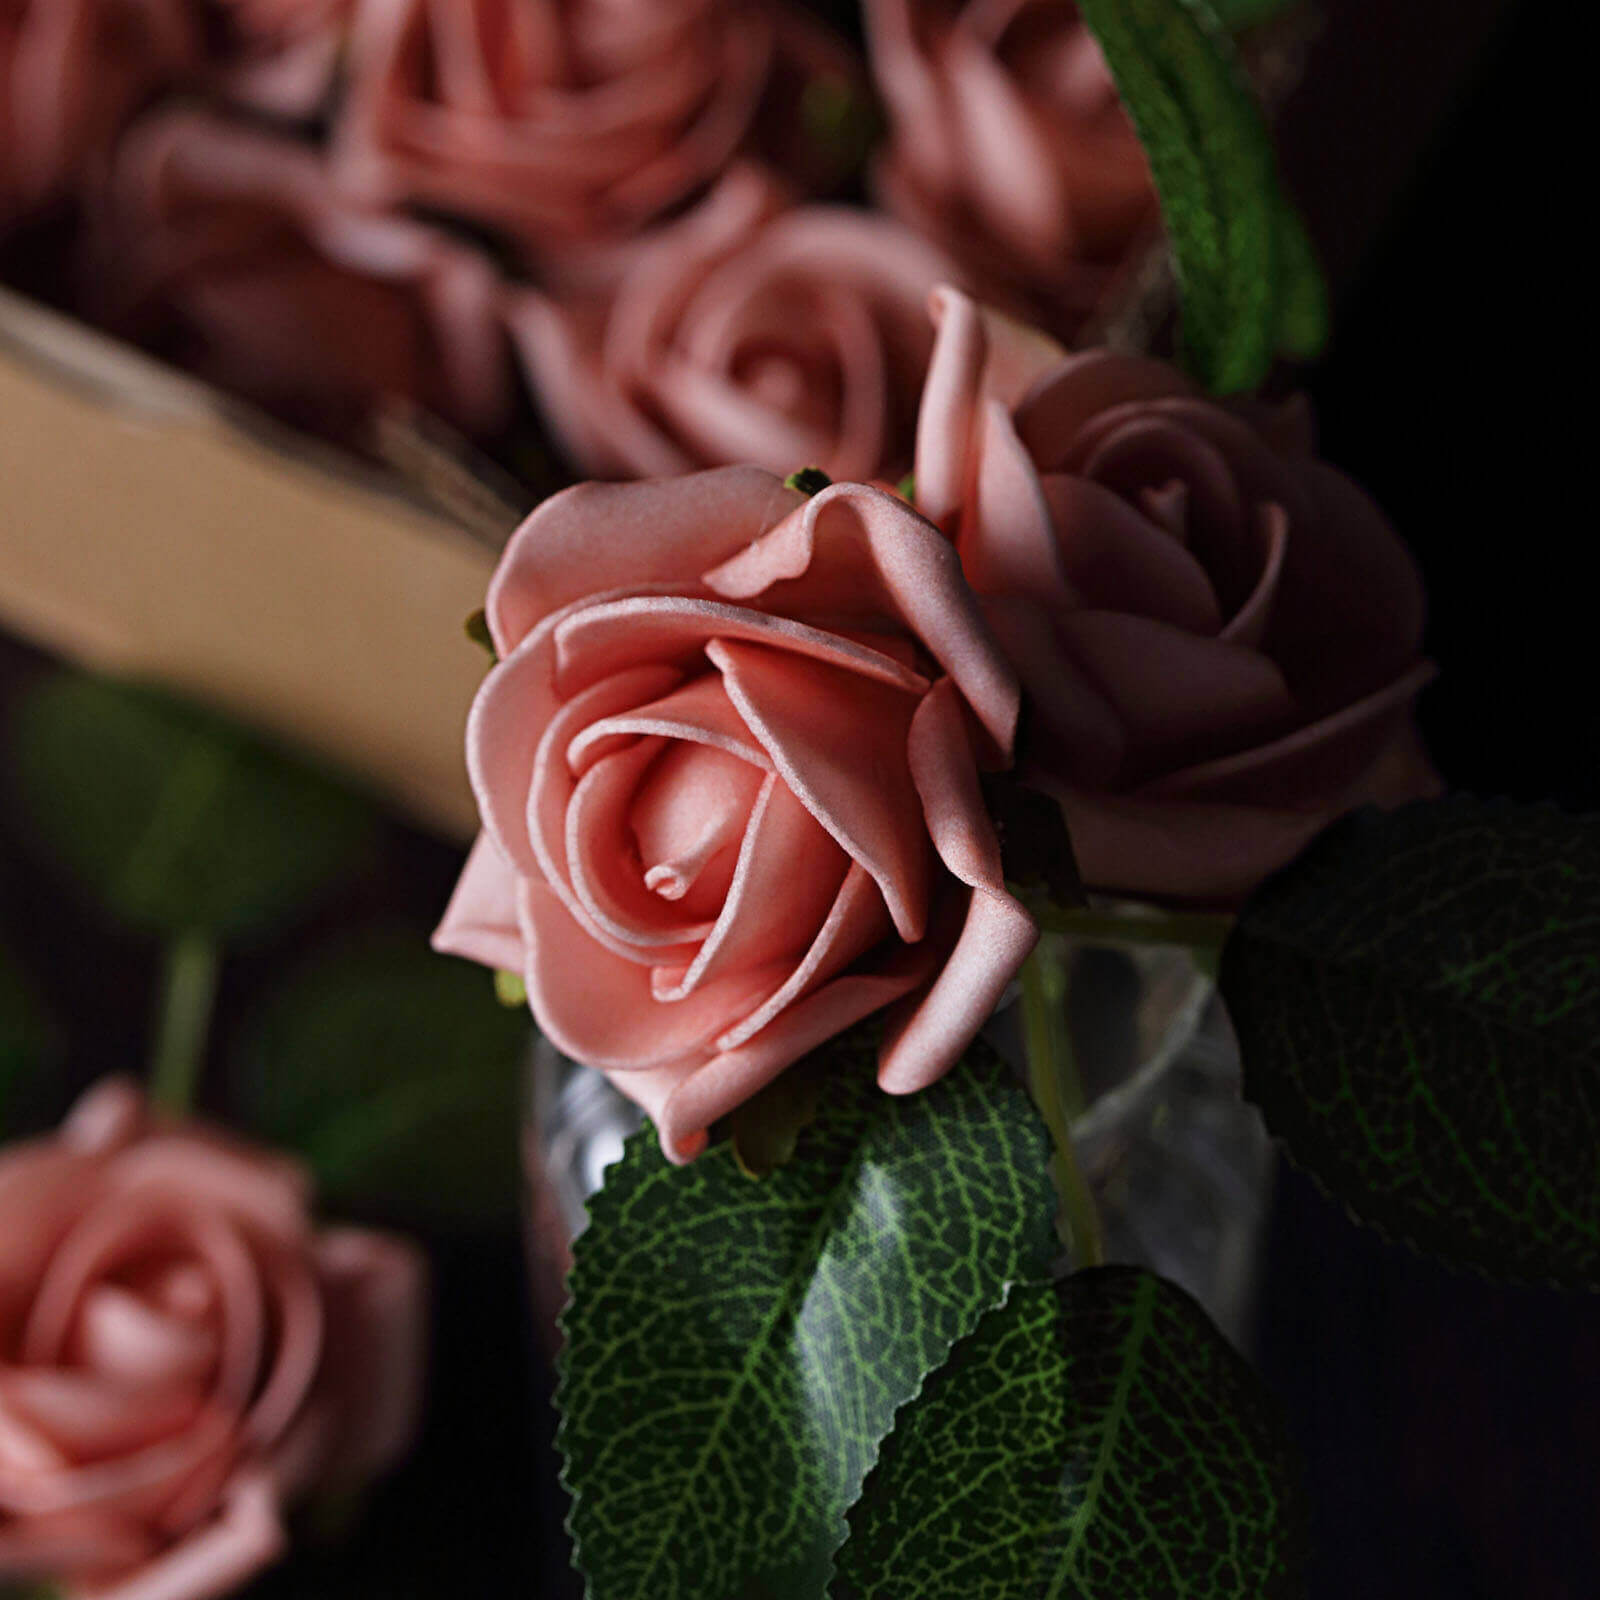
(1008, 143)
(561, 123)
(284, 292)
(281, 56)
(743, 333)
(70, 73)
(1220, 636)
(728, 768)
(182, 1355)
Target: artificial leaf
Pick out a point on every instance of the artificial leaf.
(1093, 1439)
(1303, 315)
(1212, 162)
(395, 1073)
(175, 819)
(1417, 1001)
(735, 1351)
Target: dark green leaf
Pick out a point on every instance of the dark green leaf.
(1211, 157)
(175, 819)
(735, 1351)
(766, 1129)
(395, 1073)
(1094, 1439)
(1417, 1000)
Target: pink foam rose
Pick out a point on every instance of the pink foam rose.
(234, 242)
(745, 332)
(1220, 635)
(1008, 144)
(728, 769)
(563, 123)
(182, 1355)
(70, 73)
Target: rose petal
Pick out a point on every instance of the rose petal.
(836, 740)
(1178, 696)
(598, 1007)
(480, 923)
(1049, 417)
(597, 536)
(788, 873)
(729, 1079)
(855, 923)
(613, 635)
(122, 1336)
(938, 1025)
(1311, 764)
(856, 552)
(1250, 622)
(1118, 560)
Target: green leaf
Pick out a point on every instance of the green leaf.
(735, 1351)
(1303, 314)
(175, 819)
(395, 1073)
(1094, 1439)
(1417, 1001)
(1212, 160)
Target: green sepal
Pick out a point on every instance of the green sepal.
(476, 628)
(808, 480)
(1092, 1439)
(735, 1351)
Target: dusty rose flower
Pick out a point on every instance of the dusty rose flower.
(743, 333)
(1008, 143)
(1220, 635)
(282, 291)
(182, 1354)
(281, 56)
(70, 72)
(728, 773)
(559, 123)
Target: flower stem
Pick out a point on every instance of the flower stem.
(1200, 930)
(188, 990)
(1053, 1076)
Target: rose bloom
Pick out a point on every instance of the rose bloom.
(70, 73)
(1219, 635)
(233, 243)
(728, 768)
(182, 1354)
(1008, 144)
(563, 123)
(743, 333)
(281, 56)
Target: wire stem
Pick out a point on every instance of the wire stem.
(188, 991)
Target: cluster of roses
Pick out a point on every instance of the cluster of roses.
(730, 759)
(308, 226)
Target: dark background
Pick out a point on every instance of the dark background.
(1450, 1430)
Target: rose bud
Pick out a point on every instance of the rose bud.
(1219, 635)
(1009, 146)
(728, 767)
(182, 1355)
(234, 243)
(71, 71)
(742, 333)
(562, 124)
